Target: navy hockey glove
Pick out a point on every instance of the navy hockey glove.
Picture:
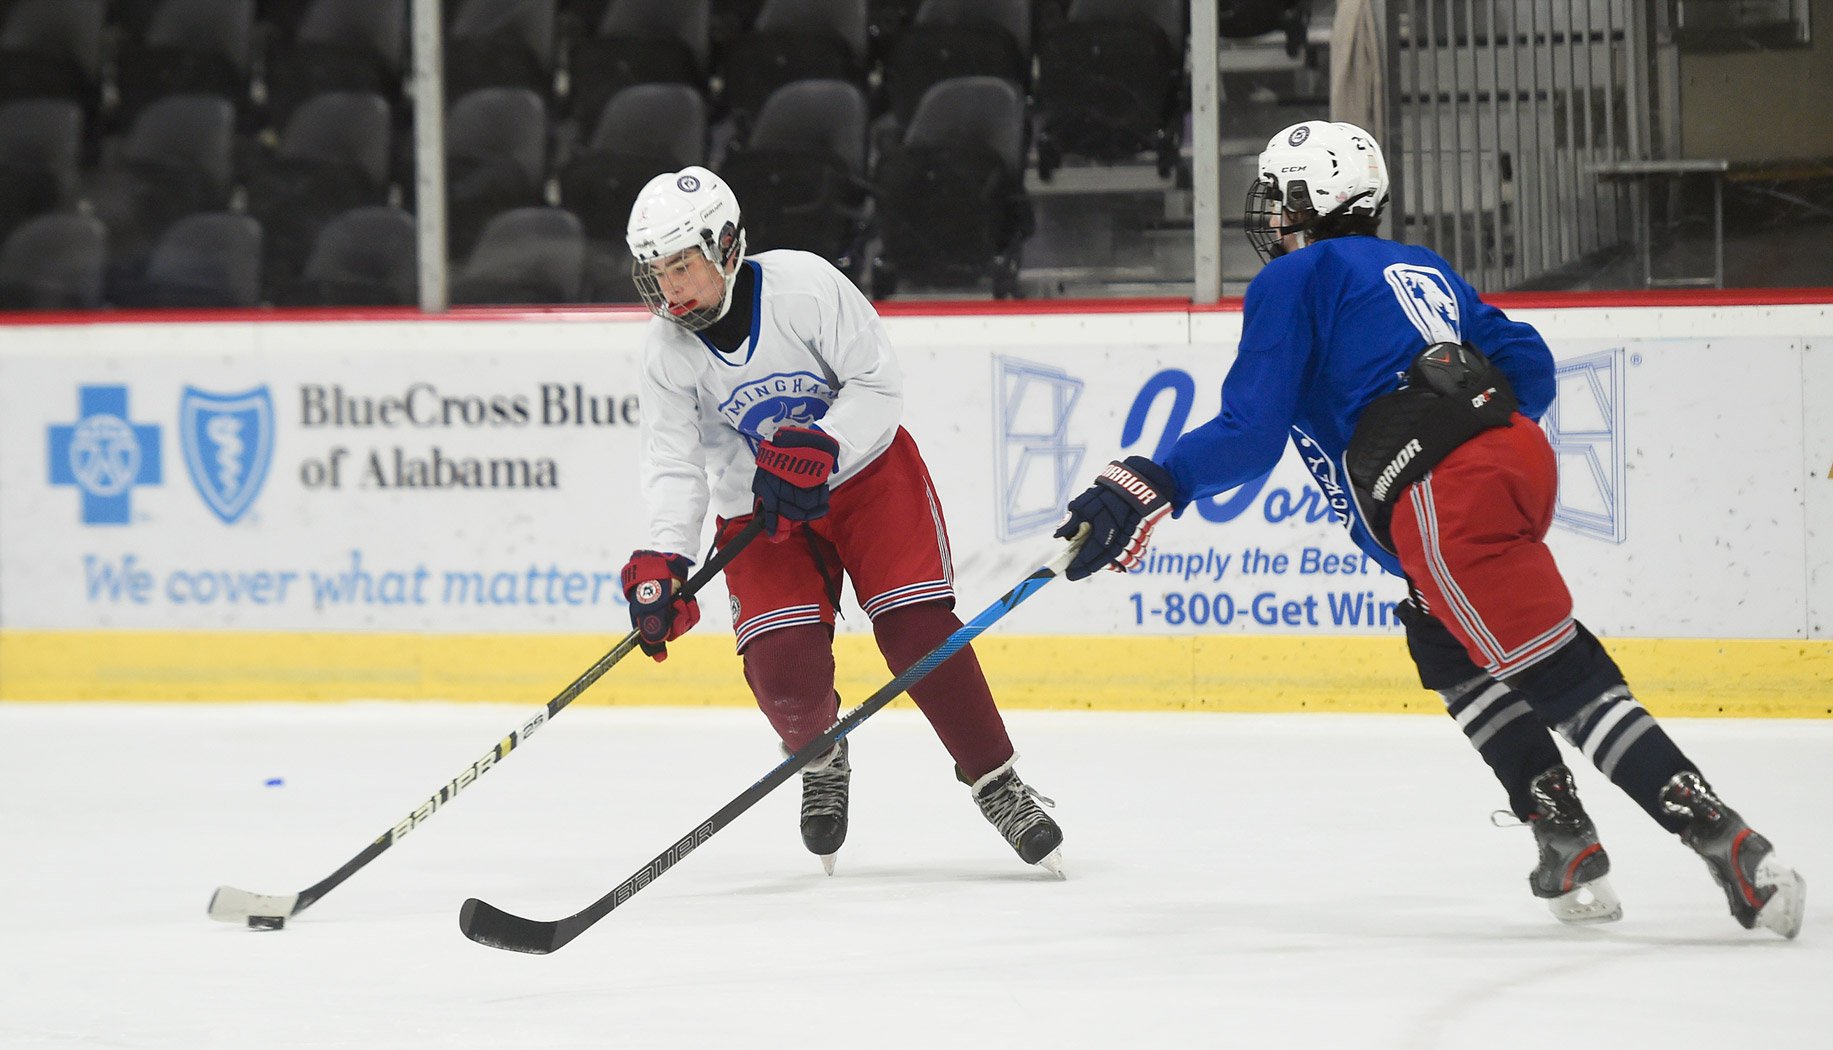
(651, 579)
(1119, 509)
(791, 479)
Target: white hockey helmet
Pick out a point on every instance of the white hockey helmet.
(1317, 171)
(676, 211)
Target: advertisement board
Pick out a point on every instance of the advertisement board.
(479, 479)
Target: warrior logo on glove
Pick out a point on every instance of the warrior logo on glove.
(1120, 509)
(791, 480)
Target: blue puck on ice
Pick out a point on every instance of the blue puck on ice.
(274, 782)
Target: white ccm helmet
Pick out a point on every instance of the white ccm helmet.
(690, 208)
(1319, 171)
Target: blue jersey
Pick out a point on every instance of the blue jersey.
(1327, 329)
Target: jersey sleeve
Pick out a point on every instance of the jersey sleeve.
(1259, 395)
(674, 459)
(852, 340)
(1516, 347)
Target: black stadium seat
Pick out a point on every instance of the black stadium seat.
(53, 48)
(54, 262)
(339, 45)
(957, 38)
(951, 202)
(528, 255)
(800, 175)
(177, 158)
(41, 143)
(639, 42)
(333, 156)
(211, 259)
(1110, 83)
(190, 46)
(364, 257)
(500, 43)
(646, 130)
(496, 159)
(794, 40)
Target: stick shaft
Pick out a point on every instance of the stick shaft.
(233, 905)
(492, 926)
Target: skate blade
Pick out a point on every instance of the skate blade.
(1594, 902)
(1784, 912)
(827, 862)
(1054, 864)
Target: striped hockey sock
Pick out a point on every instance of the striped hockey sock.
(1627, 745)
(1502, 727)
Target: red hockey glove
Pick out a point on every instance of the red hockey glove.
(1120, 509)
(651, 579)
(791, 479)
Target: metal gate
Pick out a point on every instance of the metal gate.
(1500, 112)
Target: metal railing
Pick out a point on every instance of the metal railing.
(1500, 113)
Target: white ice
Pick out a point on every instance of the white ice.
(1234, 881)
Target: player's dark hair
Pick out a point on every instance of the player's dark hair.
(1343, 226)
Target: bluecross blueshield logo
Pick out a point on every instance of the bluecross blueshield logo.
(1585, 427)
(104, 455)
(229, 443)
(1038, 466)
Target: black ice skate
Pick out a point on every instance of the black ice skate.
(1571, 874)
(824, 801)
(1012, 807)
(1761, 890)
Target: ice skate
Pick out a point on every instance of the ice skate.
(1571, 875)
(1012, 807)
(1761, 890)
(824, 804)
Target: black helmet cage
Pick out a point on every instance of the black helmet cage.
(1265, 218)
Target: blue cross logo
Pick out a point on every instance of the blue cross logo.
(104, 455)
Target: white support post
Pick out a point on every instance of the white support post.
(430, 153)
(1206, 152)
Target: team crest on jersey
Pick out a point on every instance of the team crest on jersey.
(756, 409)
(736, 616)
(1426, 297)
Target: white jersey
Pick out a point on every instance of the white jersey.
(817, 351)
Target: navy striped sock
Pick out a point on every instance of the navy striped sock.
(1502, 727)
(1627, 745)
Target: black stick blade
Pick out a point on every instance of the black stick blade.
(490, 925)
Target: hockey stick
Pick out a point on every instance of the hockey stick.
(489, 925)
(270, 911)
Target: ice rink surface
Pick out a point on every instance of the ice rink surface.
(1234, 881)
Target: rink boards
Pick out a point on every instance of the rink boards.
(388, 507)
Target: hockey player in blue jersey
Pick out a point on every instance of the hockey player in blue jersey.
(1414, 404)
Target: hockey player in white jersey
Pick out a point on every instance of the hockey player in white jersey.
(769, 388)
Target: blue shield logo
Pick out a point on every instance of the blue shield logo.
(229, 442)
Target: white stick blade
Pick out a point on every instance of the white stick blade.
(229, 904)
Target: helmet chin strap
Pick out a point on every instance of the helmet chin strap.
(725, 300)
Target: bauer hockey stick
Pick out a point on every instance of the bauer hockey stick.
(270, 911)
(490, 925)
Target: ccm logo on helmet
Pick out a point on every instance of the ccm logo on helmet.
(1131, 482)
